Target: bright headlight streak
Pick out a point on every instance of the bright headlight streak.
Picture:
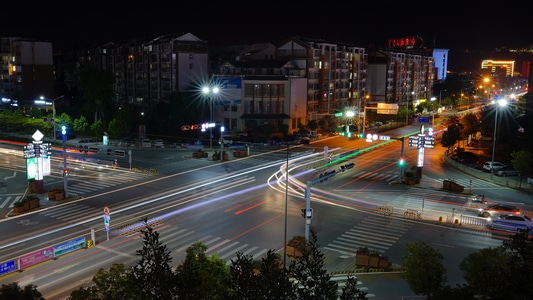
(226, 177)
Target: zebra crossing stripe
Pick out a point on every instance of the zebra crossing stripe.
(10, 200)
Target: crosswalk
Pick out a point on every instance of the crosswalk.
(81, 187)
(371, 232)
(77, 186)
(177, 239)
(468, 182)
(374, 232)
(390, 177)
(7, 201)
(341, 281)
(378, 176)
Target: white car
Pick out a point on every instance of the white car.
(507, 171)
(493, 165)
(146, 143)
(159, 143)
(511, 222)
(530, 180)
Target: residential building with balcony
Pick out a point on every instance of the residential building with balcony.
(148, 71)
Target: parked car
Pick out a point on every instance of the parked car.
(498, 209)
(479, 163)
(465, 157)
(275, 141)
(511, 222)
(305, 140)
(490, 165)
(507, 171)
(146, 143)
(159, 143)
(126, 142)
(530, 180)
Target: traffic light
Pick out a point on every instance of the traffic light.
(401, 162)
(66, 172)
(303, 212)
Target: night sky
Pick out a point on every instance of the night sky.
(452, 24)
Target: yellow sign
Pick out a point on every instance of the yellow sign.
(387, 108)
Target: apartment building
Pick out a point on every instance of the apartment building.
(336, 74)
(27, 69)
(147, 72)
(292, 83)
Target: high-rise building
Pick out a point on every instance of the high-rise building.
(27, 69)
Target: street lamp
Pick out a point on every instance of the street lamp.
(54, 112)
(501, 103)
(210, 92)
(349, 115)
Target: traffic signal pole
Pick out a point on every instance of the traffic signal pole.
(402, 158)
(308, 212)
(65, 183)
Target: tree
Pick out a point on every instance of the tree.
(245, 282)
(451, 136)
(109, 285)
(81, 125)
(97, 86)
(519, 275)
(153, 271)
(97, 129)
(350, 290)
(470, 123)
(265, 279)
(64, 119)
(14, 291)
(423, 269)
(122, 122)
(483, 271)
(312, 280)
(273, 279)
(522, 161)
(202, 277)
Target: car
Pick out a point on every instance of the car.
(226, 139)
(530, 180)
(465, 157)
(507, 171)
(159, 143)
(126, 142)
(498, 209)
(305, 140)
(493, 165)
(146, 143)
(511, 222)
(479, 163)
(275, 141)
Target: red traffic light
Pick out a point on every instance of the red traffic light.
(66, 172)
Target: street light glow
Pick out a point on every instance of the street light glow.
(206, 90)
(501, 103)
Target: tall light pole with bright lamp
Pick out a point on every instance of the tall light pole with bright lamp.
(211, 92)
(54, 112)
(500, 103)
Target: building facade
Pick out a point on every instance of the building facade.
(27, 69)
(289, 84)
